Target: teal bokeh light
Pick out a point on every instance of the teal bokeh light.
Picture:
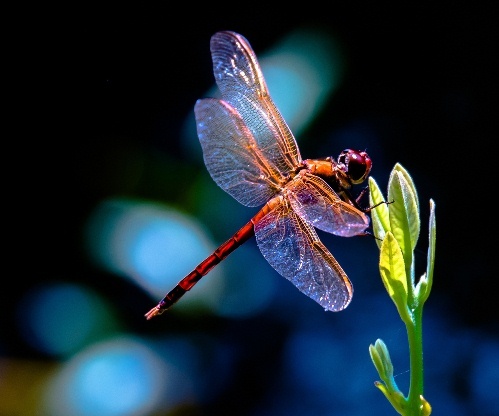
(156, 246)
(302, 71)
(60, 318)
(117, 378)
(147, 242)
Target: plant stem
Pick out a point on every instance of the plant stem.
(415, 337)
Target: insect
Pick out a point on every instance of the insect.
(251, 153)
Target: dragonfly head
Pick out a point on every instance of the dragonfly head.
(356, 164)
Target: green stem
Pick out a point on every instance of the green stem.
(415, 337)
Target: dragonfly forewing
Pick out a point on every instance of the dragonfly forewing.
(231, 155)
(316, 202)
(242, 85)
(292, 247)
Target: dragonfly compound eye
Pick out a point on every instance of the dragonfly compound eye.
(357, 165)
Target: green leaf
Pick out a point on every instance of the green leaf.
(399, 168)
(421, 289)
(428, 277)
(381, 359)
(392, 265)
(393, 274)
(396, 398)
(383, 363)
(404, 212)
(377, 361)
(379, 216)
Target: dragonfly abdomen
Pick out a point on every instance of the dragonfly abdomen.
(203, 268)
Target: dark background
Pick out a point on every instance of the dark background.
(93, 81)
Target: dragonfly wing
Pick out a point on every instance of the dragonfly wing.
(316, 202)
(231, 155)
(292, 247)
(241, 82)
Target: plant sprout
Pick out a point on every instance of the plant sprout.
(396, 226)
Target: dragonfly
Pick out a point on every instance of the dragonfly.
(251, 153)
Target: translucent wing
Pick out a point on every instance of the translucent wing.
(316, 202)
(231, 154)
(292, 247)
(241, 83)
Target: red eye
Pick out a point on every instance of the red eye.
(357, 165)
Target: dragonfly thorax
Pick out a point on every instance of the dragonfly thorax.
(351, 168)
